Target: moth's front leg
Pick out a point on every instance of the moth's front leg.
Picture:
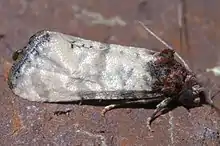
(114, 106)
(163, 105)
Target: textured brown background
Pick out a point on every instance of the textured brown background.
(112, 21)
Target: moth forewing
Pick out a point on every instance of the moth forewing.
(56, 67)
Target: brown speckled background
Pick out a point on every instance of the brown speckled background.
(112, 21)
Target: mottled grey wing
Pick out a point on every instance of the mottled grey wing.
(55, 67)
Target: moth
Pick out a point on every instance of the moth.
(56, 67)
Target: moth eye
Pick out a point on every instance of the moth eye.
(197, 100)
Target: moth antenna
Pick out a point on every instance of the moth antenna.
(164, 43)
(215, 108)
(153, 34)
(208, 99)
(215, 94)
(211, 103)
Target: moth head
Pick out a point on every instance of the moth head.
(194, 94)
(192, 97)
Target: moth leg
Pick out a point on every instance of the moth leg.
(160, 107)
(108, 108)
(113, 106)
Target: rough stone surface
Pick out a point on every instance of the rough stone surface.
(30, 123)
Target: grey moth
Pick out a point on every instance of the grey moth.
(55, 67)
